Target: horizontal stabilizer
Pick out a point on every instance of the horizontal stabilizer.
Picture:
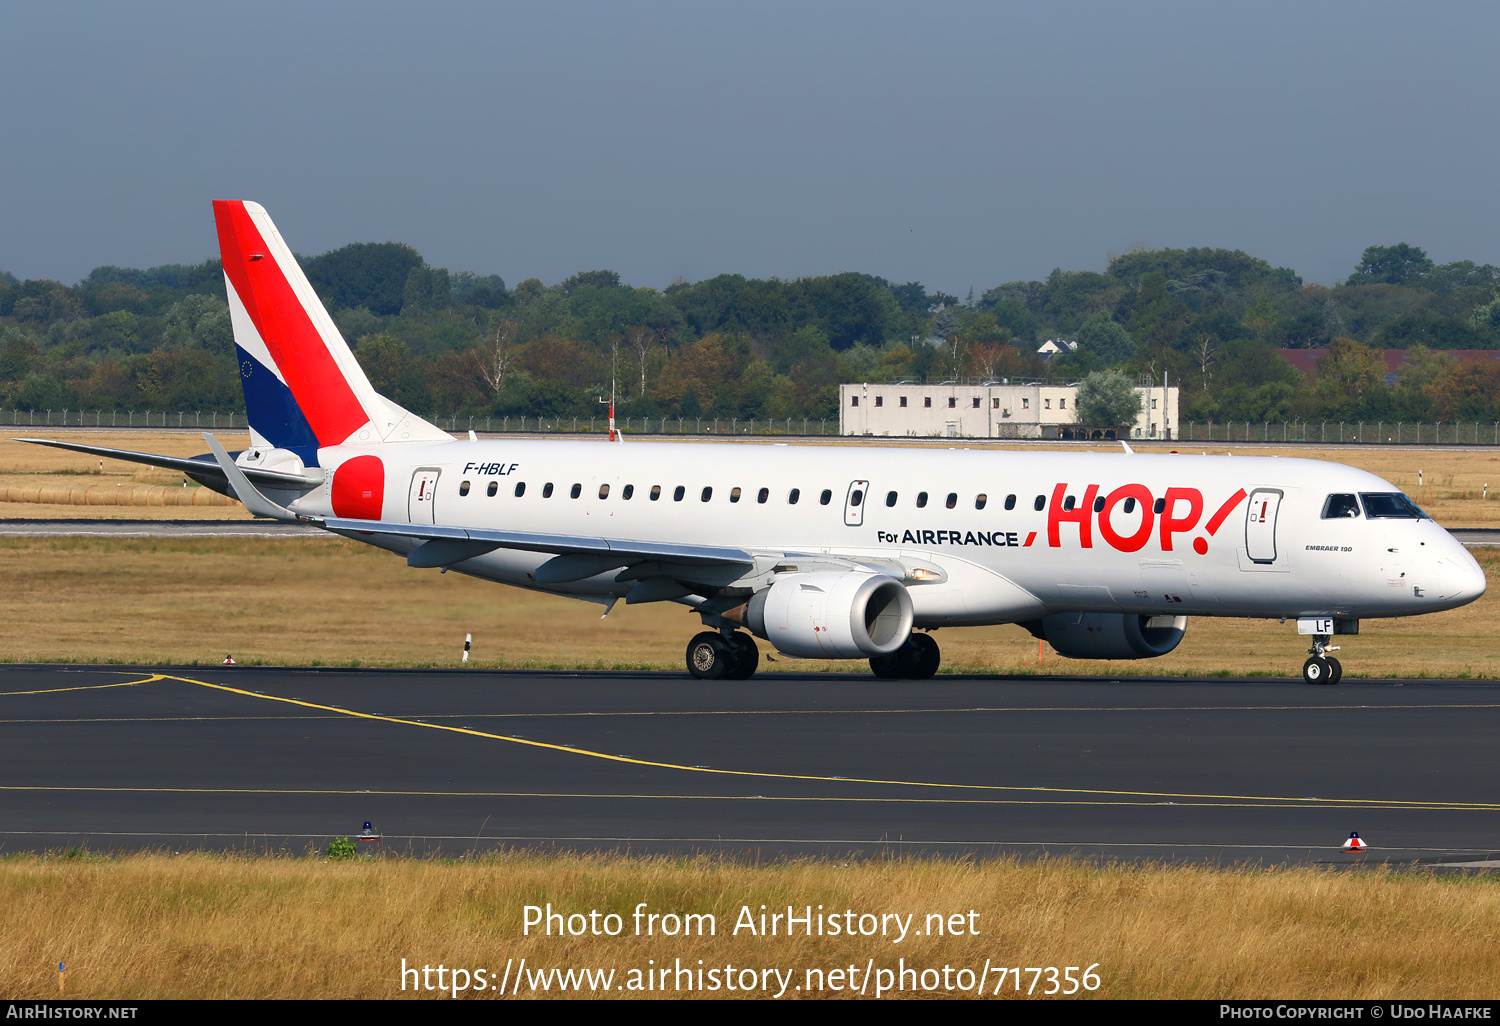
(194, 466)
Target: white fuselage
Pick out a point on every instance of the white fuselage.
(1177, 534)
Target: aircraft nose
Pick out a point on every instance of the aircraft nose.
(1462, 578)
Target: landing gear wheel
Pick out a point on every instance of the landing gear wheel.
(1317, 670)
(927, 657)
(746, 656)
(709, 657)
(917, 659)
(1335, 670)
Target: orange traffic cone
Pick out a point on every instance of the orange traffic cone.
(1354, 843)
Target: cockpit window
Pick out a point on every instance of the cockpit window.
(1391, 506)
(1337, 507)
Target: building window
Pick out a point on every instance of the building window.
(976, 402)
(903, 402)
(952, 401)
(1062, 404)
(927, 402)
(1153, 404)
(854, 400)
(1046, 404)
(880, 400)
(1025, 404)
(994, 404)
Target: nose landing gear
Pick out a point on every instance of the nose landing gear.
(1321, 668)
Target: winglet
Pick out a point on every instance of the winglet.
(246, 492)
(1127, 447)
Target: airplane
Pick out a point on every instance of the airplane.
(831, 552)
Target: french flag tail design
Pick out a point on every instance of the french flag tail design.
(304, 390)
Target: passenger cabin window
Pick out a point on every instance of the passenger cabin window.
(1391, 506)
(547, 490)
(825, 498)
(1130, 504)
(520, 488)
(921, 500)
(980, 500)
(678, 493)
(1068, 503)
(763, 495)
(1099, 504)
(856, 497)
(1041, 503)
(576, 490)
(1338, 507)
(734, 495)
(1158, 506)
(890, 498)
(492, 489)
(628, 491)
(604, 491)
(655, 492)
(463, 489)
(793, 495)
(952, 499)
(708, 493)
(1010, 502)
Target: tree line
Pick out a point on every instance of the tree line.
(731, 346)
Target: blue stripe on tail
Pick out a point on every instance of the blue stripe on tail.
(273, 412)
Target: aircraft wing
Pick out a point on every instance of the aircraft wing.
(197, 467)
(578, 552)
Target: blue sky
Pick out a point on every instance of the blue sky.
(959, 144)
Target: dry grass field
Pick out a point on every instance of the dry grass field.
(329, 601)
(311, 601)
(1452, 479)
(199, 926)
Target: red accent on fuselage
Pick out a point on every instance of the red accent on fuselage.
(359, 488)
(332, 409)
(1224, 510)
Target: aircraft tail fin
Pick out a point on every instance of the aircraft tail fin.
(303, 387)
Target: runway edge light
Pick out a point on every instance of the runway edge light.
(1354, 843)
(368, 839)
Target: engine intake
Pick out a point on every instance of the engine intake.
(832, 615)
(1111, 635)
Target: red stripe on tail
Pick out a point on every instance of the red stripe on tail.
(332, 409)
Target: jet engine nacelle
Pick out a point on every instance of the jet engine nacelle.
(832, 615)
(1112, 635)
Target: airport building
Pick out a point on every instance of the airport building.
(991, 409)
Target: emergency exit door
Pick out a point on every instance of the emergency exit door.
(854, 503)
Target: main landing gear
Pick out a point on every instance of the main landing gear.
(918, 659)
(1321, 668)
(722, 656)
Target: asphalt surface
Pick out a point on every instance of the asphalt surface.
(1219, 770)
